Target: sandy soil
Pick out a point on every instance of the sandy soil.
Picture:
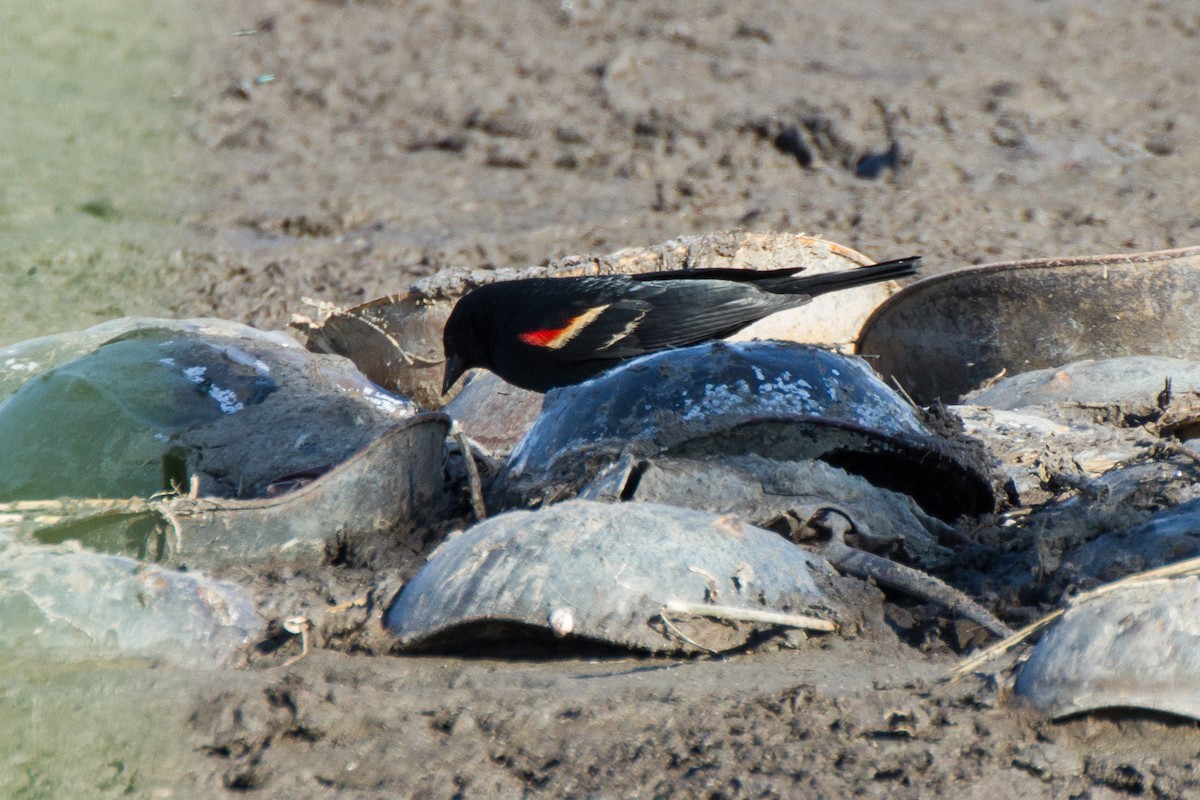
(350, 147)
(396, 139)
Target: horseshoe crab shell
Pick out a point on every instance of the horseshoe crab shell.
(779, 495)
(160, 402)
(774, 399)
(1135, 647)
(1167, 537)
(206, 440)
(20, 361)
(946, 335)
(607, 573)
(65, 603)
(493, 413)
(393, 483)
(1127, 385)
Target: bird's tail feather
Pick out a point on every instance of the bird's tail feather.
(832, 281)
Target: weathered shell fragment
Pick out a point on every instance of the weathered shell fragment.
(1133, 647)
(774, 399)
(394, 482)
(607, 573)
(1126, 386)
(1167, 537)
(397, 340)
(493, 413)
(1028, 443)
(782, 495)
(951, 333)
(1090, 416)
(65, 603)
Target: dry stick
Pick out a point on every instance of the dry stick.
(913, 582)
(736, 614)
(1003, 646)
(1179, 569)
(836, 521)
(358, 602)
(473, 481)
(1177, 448)
(903, 393)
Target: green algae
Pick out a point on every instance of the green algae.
(93, 155)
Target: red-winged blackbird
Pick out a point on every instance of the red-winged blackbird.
(539, 333)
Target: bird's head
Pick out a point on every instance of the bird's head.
(462, 343)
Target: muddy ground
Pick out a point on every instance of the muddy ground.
(347, 148)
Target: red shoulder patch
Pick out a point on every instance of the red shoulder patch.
(554, 338)
(542, 338)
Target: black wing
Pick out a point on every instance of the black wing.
(627, 318)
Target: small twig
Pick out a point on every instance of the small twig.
(904, 393)
(473, 482)
(297, 625)
(683, 636)
(176, 528)
(1178, 448)
(357, 602)
(992, 381)
(737, 614)
(484, 455)
(1003, 646)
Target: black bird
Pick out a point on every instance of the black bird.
(539, 333)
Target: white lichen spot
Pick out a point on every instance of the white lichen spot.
(14, 365)
(195, 374)
(386, 402)
(780, 394)
(226, 399)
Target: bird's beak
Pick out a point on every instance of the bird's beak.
(454, 370)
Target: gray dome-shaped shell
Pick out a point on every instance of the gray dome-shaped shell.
(1132, 648)
(609, 569)
(781, 400)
